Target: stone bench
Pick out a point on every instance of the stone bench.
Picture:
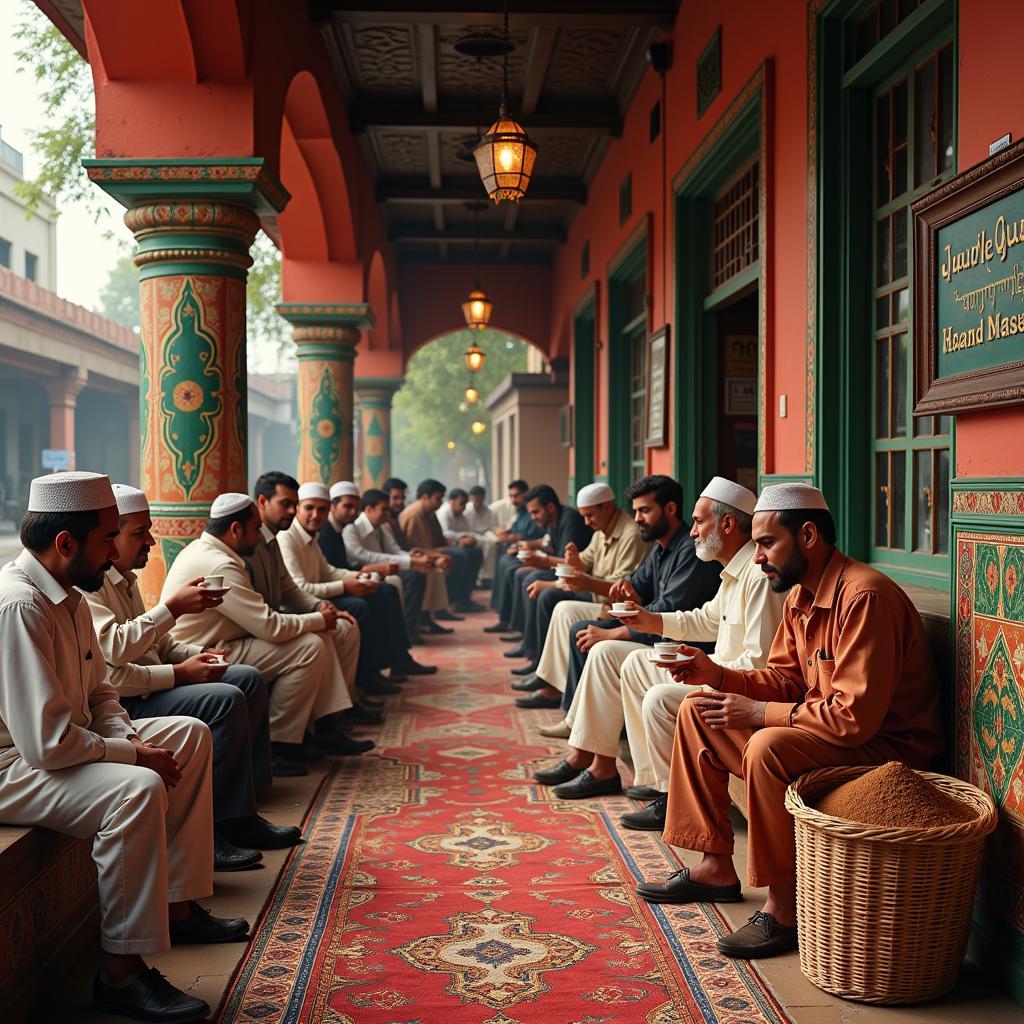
(49, 914)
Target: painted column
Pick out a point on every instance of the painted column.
(326, 337)
(194, 222)
(64, 392)
(374, 426)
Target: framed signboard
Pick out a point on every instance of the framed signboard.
(657, 387)
(969, 289)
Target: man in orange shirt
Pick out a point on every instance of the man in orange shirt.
(849, 681)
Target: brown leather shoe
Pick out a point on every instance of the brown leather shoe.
(679, 889)
(761, 936)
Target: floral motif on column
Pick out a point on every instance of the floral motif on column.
(326, 336)
(194, 222)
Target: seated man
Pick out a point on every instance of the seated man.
(72, 760)
(849, 681)
(366, 544)
(742, 619)
(154, 675)
(376, 606)
(435, 594)
(420, 525)
(294, 653)
(562, 526)
(455, 523)
(615, 549)
(483, 524)
(520, 527)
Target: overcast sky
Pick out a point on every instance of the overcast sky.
(84, 257)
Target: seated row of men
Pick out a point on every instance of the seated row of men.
(789, 656)
(258, 657)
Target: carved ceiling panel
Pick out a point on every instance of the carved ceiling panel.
(385, 57)
(559, 155)
(584, 62)
(401, 152)
(453, 146)
(459, 76)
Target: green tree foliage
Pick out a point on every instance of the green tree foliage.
(428, 410)
(67, 136)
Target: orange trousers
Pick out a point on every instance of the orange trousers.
(767, 760)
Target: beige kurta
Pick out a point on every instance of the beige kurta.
(616, 555)
(307, 566)
(305, 684)
(137, 645)
(67, 763)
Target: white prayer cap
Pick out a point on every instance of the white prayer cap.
(720, 489)
(594, 494)
(784, 497)
(229, 504)
(342, 489)
(75, 491)
(313, 491)
(130, 499)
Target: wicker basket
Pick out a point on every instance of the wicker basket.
(883, 913)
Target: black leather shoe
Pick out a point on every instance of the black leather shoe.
(468, 607)
(201, 927)
(281, 768)
(642, 793)
(650, 819)
(761, 936)
(416, 668)
(361, 716)
(679, 889)
(150, 997)
(446, 616)
(556, 774)
(529, 684)
(260, 834)
(538, 700)
(585, 785)
(516, 652)
(436, 629)
(340, 745)
(381, 689)
(514, 637)
(526, 670)
(231, 856)
(373, 703)
(498, 627)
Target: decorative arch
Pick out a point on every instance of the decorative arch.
(456, 328)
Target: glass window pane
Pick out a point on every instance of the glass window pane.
(889, 16)
(946, 112)
(900, 360)
(942, 501)
(882, 387)
(899, 243)
(925, 126)
(902, 303)
(882, 251)
(924, 426)
(899, 138)
(923, 497)
(882, 190)
(881, 499)
(898, 500)
(866, 33)
(882, 312)
(944, 425)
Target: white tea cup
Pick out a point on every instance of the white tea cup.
(564, 571)
(667, 651)
(618, 607)
(523, 554)
(213, 582)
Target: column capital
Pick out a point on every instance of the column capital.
(241, 181)
(355, 315)
(377, 392)
(65, 388)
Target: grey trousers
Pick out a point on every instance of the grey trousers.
(235, 709)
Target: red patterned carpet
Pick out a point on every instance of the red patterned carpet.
(437, 883)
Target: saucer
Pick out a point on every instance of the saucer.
(217, 591)
(658, 659)
(624, 615)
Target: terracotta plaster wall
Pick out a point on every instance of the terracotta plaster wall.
(752, 33)
(989, 93)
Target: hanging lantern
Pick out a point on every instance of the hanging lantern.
(505, 155)
(472, 395)
(474, 358)
(477, 310)
(478, 427)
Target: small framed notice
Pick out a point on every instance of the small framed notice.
(657, 387)
(969, 289)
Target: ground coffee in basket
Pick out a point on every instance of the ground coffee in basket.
(894, 796)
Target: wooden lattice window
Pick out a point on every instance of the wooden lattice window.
(734, 227)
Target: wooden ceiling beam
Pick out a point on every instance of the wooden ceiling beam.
(375, 112)
(469, 189)
(542, 46)
(543, 234)
(428, 67)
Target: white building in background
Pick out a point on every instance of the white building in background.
(28, 242)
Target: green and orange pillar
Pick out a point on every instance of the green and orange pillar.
(194, 221)
(374, 396)
(326, 336)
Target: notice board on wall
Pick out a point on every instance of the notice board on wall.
(969, 289)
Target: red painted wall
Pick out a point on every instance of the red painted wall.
(752, 33)
(990, 89)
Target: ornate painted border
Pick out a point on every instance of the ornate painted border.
(989, 503)
(345, 314)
